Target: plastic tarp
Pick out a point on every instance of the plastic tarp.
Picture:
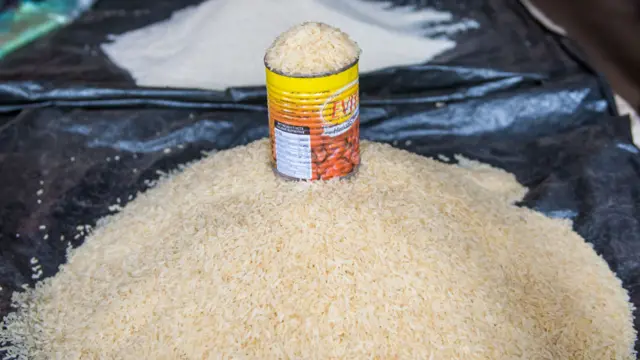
(510, 94)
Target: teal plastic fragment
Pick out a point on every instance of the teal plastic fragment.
(33, 19)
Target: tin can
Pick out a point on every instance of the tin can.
(314, 124)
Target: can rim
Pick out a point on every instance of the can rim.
(321, 75)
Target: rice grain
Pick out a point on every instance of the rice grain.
(410, 259)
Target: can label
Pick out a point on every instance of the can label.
(314, 124)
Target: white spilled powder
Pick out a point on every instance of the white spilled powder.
(221, 43)
(410, 259)
(627, 110)
(388, 16)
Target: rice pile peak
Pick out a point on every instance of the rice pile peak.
(410, 259)
(311, 49)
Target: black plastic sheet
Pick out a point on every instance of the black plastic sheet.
(509, 94)
(496, 40)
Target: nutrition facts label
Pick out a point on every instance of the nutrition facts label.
(293, 150)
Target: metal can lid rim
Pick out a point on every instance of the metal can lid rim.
(314, 76)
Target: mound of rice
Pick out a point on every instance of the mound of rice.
(410, 259)
(311, 49)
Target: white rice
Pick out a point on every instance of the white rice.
(311, 49)
(410, 259)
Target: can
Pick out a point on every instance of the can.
(314, 124)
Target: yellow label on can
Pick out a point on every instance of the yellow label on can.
(314, 124)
